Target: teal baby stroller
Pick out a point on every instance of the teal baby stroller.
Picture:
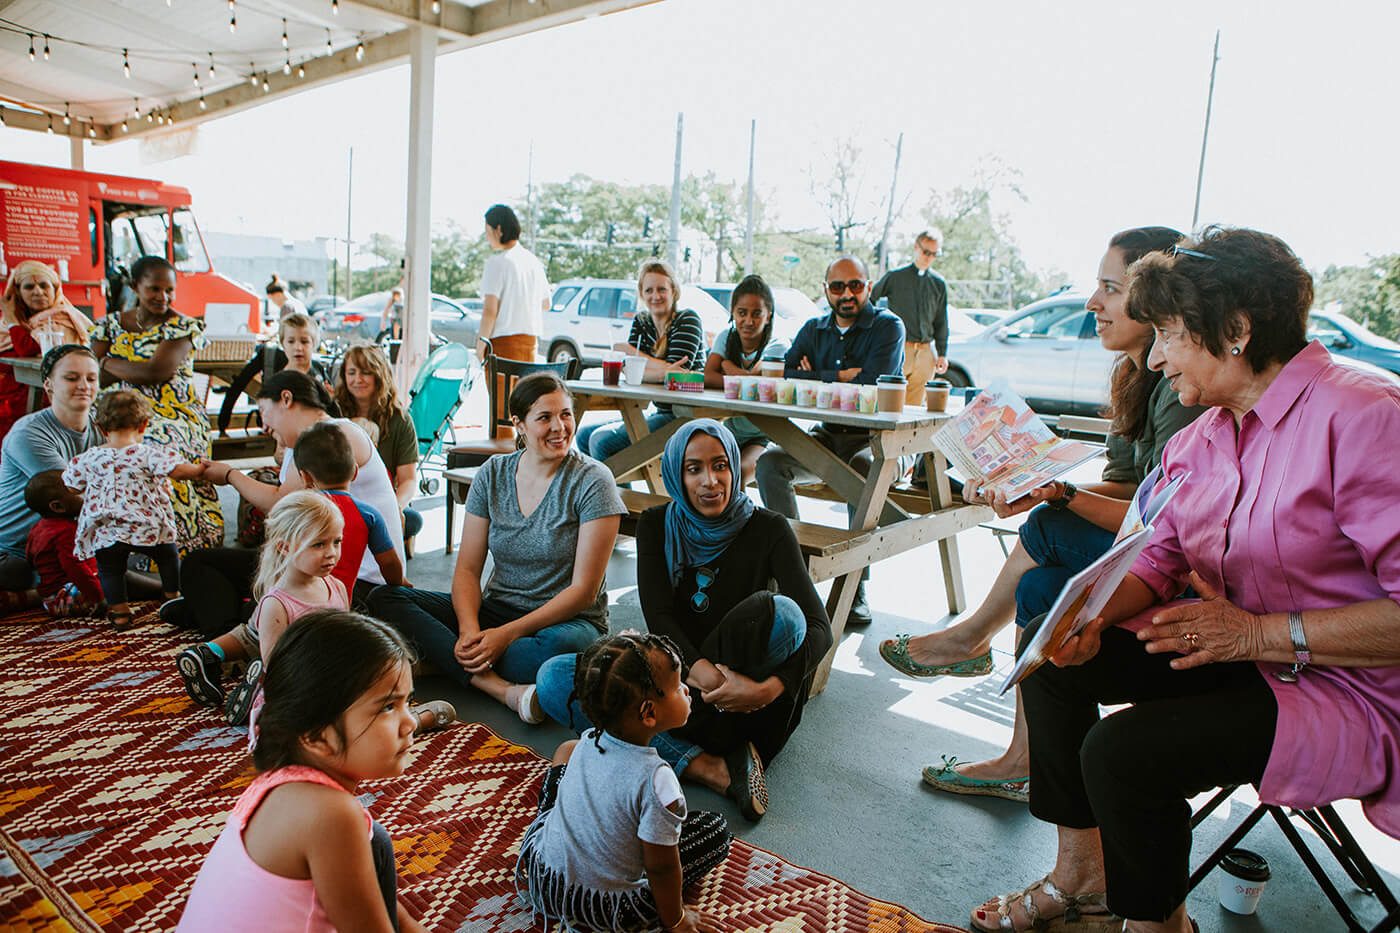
(437, 393)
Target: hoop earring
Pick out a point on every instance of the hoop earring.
(1234, 351)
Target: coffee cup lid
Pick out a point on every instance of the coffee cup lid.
(890, 380)
(1247, 865)
(938, 384)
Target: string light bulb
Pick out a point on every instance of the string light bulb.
(252, 75)
(31, 43)
(285, 44)
(335, 7)
(266, 86)
(92, 132)
(301, 71)
(233, 22)
(46, 46)
(135, 107)
(202, 104)
(123, 126)
(437, 7)
(150, 116)
(211, 66)
(330, 49)
(287, 66)
(50, 123)
(360, 51)
(66, 120)
(126, 65)
(195, 67)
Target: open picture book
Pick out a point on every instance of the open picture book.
(999, 438)
(1087, 592)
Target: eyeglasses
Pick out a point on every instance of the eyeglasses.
(855, 286)
(1183, 251)
(704, 576)
(930, 253)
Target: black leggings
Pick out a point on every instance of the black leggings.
(381, 847)
(1131, 774)
(111, 568)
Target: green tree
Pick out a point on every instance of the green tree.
(1368, 294)
(457, 262)
(573, 219)
(719, 210)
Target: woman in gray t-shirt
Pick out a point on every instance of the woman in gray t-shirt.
(549, 517)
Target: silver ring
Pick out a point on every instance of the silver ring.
(1193, 640)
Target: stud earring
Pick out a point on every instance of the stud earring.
(1234, 351)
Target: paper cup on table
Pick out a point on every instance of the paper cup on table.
(826, 396)
(787, 392)
(635, 369)
(1243, 875)
(849, 396)
(773, 369)
(767, 389)
(748, 388)
(806, 393)
(47, 336)
(731, 386)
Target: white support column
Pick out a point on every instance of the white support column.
(75, 152)
(418, 241)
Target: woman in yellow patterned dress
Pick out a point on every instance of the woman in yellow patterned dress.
(149, 349)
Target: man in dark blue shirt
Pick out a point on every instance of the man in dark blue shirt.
(856, 342)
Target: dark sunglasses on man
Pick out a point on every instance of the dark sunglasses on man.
(855, 286)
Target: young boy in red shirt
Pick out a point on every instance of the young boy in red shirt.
(68, 586)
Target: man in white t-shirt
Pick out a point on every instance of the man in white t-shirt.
(514, 291)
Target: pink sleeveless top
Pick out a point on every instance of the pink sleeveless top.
(336, 598)
(232, 893)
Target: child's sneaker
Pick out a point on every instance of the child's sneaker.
(240, 701)
(203, 674)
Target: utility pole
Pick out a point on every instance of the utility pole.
(1205, 134)
(748, 230)
(349, 190)
(674, 237)
(889, 214)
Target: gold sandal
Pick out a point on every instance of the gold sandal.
(1084, 913)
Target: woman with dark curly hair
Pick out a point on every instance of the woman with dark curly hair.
(1285, 673)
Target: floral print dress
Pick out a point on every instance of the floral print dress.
(178, 421)
(126, 496)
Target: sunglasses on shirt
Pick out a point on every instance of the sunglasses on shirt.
(704, 576)
(854, 286)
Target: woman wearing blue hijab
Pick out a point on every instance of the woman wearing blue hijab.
(726, 582)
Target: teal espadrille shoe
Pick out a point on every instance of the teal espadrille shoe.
(895, 651)
(946, 777)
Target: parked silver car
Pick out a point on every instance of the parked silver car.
(362, 319)
(588, 316)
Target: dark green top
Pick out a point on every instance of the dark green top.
(1131, 461)
(399, 444)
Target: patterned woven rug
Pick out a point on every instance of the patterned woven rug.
(113, 786)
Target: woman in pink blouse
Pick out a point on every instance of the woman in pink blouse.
(1286, 673)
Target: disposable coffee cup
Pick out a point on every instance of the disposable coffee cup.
(635, 369)
(1243, 875)
(936, 394)
(890, 391)
(773, 369)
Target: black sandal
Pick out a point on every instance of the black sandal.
(747, 785)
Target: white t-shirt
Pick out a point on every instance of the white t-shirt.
(372, 487)
(518, 280)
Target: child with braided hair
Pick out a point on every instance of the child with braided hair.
(613, 845)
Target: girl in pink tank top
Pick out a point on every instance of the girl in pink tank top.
(299, 853)
(294, 577)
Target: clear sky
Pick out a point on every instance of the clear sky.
(1098, 105)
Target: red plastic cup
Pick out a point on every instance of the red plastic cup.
(612, 372)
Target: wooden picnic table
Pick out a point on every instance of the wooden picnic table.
(878, 529)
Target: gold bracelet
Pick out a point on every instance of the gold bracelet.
(668, 928)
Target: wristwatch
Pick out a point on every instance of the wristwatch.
(1066, 497)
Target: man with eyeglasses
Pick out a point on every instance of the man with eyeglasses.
(856, 342)
(919, 297)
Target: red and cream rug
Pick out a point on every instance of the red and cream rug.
(113, 785)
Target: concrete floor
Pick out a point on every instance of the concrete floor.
(846, 794)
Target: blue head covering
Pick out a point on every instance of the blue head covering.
(693, 540)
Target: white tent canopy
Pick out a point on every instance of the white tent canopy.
(106, 70)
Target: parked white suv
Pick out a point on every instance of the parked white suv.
(588, 316)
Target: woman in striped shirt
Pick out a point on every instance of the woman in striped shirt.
(671, 339)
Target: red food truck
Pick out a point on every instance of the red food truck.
(92, 227)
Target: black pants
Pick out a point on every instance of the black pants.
(111, 568)
(1131, 773)
(381, 847)
(703, 845)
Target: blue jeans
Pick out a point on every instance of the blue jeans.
(412, 522)
(1062, 544)
(601, 441)
(554, 684)
(428, 620)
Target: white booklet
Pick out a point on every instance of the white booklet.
(999, 438)
(1087, 592)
